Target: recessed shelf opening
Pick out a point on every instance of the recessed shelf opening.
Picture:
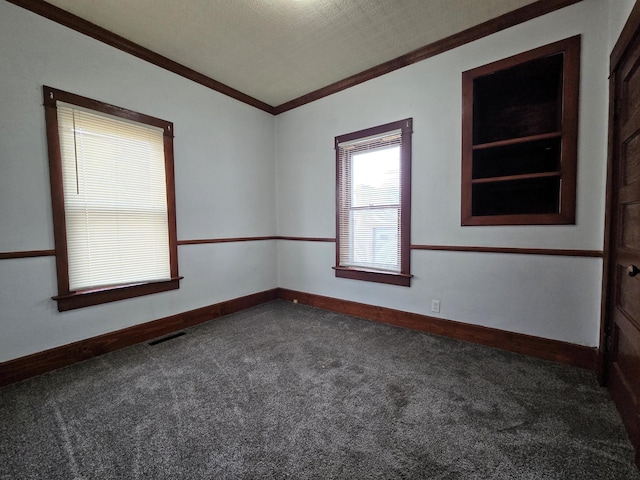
(519, 101)
(528, 196)
(519, 131)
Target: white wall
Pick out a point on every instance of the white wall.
(551, 297)
(232, 178)
(619, 11)
(225, 185)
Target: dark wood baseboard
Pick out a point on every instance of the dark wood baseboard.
(554, 350)
(41, 362)
(25, 367)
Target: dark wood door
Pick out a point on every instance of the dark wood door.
(623, 330)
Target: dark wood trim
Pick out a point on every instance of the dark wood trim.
(170, 187)
(92, 30)
(451, 248)
(41, 362)
(518, 219)
(307, 239)
(554, 350)
(52, 95)
(225, 240)
(519, 251)
(516, 141)
(629, 32)
(66, 298)
(570, 128)
(510, 178)
(29, 366)
(609, 242)
(57, 190)
(406, 160)
(27, 254)
(510, 19)
(567, 112)
(343, 200)
(81, 299)
(255, 239)
(390, 278)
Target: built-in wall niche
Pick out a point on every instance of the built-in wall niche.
(519, 138)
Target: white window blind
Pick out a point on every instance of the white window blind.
(369, 209)
(115, 199)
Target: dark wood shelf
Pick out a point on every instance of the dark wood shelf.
(517, 141)
(512, 178)
(537, 155)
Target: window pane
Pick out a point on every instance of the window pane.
(115, 200)
(373, 204)
(375, 235)
(376, 177)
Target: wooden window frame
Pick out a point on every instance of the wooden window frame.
(66, 298)
(402, 278)
(567, 135)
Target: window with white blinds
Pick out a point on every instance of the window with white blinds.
(112, 191)
(373, 197)
(115, 199)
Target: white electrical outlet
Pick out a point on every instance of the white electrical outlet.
(435, 306)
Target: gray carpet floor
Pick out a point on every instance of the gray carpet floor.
(288, 391)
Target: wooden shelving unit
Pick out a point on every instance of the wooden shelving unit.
(520, 138)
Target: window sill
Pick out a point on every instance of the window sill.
(87, 298)
(401, 279)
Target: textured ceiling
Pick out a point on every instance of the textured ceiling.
(278, 50)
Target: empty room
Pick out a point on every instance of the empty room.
(320, 239)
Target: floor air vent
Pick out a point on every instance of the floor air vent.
(167, 338)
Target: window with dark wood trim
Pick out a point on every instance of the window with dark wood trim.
(519, 138)
(113, 197)
(373, 204)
